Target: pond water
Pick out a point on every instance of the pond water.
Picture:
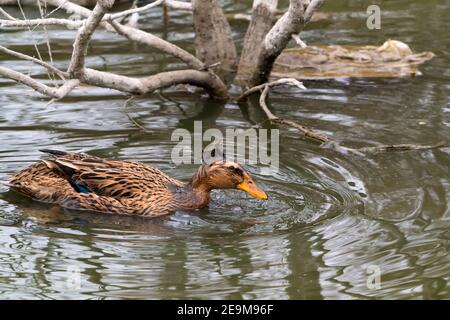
(332, 218)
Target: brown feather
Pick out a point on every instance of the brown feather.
(81, 181)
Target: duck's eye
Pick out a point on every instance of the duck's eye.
(238, 171)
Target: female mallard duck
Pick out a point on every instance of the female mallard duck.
(81, 181)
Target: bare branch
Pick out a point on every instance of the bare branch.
(282, 81)
(291, 23)
(67, 87)
(81, 43)
(69, 7)
(113, 81)
(144, 85)
(262, 20)
(44, 64)
(273, 118)
(178, 5)
(402, 147)
(146, 38)
(125, 13)
(57, 93)
(6, 14)
(312, 8)
(203, 79)
(299, 41)
(137, 124)
(71, 24)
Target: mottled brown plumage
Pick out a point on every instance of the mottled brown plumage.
(81, 181)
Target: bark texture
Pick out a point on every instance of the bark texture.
(213, 41)
(262, 20)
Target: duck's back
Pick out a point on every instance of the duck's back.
(81, 181)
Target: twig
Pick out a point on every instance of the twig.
(84, 36)
(312, 7)
(178, 5)
(402, 147)
(49, 48)
(128, 12)
(6, 14)
(282, 81)
(274, 119)
(176, 103)
(29, 29)
(44, 64)
(71, 24)
(149, 39)
(57, 93)
(54, 10)
(299, 41)
(125, 105)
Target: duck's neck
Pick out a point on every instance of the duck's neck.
(195, 194)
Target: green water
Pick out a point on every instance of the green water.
(330, 215)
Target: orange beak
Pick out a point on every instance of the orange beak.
(249, 186)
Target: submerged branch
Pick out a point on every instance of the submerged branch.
(325, 141)
(402, 147)
(273, 118)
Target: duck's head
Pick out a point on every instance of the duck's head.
(226, 175)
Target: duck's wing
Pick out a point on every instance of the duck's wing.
(116, 179)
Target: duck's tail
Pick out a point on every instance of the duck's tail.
(56, 153)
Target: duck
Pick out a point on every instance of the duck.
(85, 182)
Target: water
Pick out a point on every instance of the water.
(331, 216)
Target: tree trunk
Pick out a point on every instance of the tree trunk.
(213, 41)
(250, 64)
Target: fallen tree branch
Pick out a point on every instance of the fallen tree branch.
(69, 7)
(313, 6)
(200, 76)
(325, 141)
(137, 124)
(402, 147)
(57, 93)
(71, 24)
(282, 81)
(255, 69)
(151, 83)
(273, 118)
